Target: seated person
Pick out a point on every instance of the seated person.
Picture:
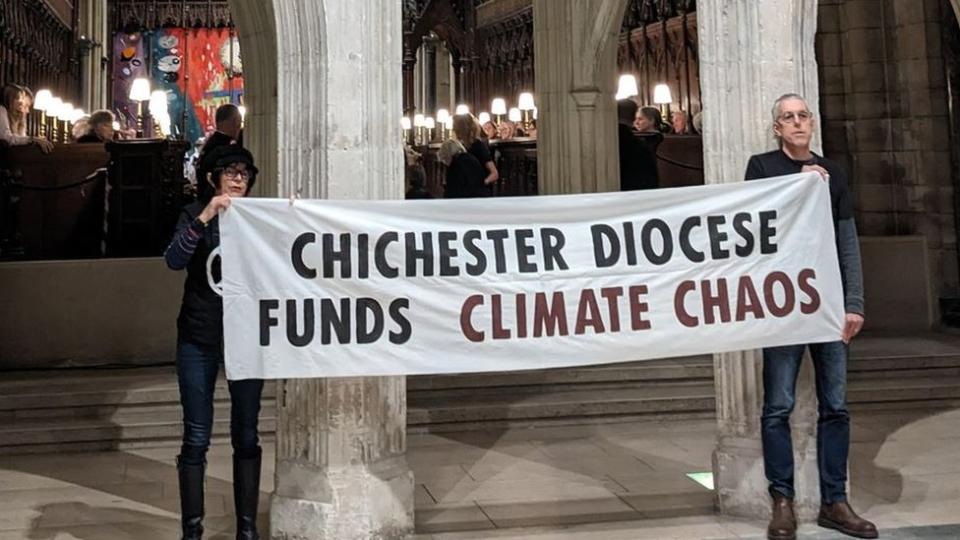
(489, 131)
(507, 130)
(465, 174)
(14, 111)
(417, 180)
(649, 120)
(99, 128)
(638, 165)
(678, 120)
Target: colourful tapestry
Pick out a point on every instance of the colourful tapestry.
(199, 69)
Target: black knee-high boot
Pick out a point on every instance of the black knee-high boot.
(191, 499)
(246, 495)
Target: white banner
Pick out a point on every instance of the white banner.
(338, 288)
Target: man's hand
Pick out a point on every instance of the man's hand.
(824, 175)
(854, 324)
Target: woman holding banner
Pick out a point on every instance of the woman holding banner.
(200, 349)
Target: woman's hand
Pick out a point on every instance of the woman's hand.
(216, 204)
(45, 146)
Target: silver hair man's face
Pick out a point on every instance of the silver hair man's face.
(793, 121)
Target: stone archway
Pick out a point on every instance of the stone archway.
(324, 96)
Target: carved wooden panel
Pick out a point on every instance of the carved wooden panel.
(135, 15)
(503, 66)
(665, 51)
(37, 49)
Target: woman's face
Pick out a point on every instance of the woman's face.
(507, 129)
(22, 103)
(643, 124)
(490, 130)
(234, 179)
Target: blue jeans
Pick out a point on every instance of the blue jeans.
(780, 368)
(197, 369)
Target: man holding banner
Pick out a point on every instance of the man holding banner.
(793, 126)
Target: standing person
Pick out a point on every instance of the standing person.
(466, 128)
(465, 175)
(638, 165)
(14, 111)
(229, 128)
(200, 349)
(649, 120)
(793, 126)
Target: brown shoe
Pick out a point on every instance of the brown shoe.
(783, 524)
(841, 517)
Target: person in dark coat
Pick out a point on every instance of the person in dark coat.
(229, 129)
(200, 349)
(465, 175)
(467, 130)
(638, 165)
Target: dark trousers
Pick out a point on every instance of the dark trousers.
(197, 369)
(780, 368)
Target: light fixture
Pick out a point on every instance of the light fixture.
(498, 108)
(525, 103)
(442, 116)
(484, 118)
(534, 113)
(418, 123)
(63, 114)
(661, 94)
(77, 115)
(462, 109)
(140, 92)
(627, 87)
(406, 125)
(41, 102)
(53, 110)
(662, 97)
(243, 115)
(158, 102)
(449, 123)
(429, 124)
(515, 115)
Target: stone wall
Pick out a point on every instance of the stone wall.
(885, 117)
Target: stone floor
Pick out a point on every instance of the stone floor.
(608, 481)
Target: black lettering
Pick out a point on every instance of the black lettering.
(661, 226)
(470, 239)
(685, 246)
(740, 222)
(767, 232)
(331, 255)
(267, 320)
(297, 339)
(414, 254)
(401, 337)
(380, 255)
(338, 322)
(363, 256)
(599, 233)
(525, 251)
(364, 334)
(446, 253)
(717, 238)
(553, 241)
(498, 236)
(296, 255)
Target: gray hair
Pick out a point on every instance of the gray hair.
(448, 149)
(775, 112)
(102, 116)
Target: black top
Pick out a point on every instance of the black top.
(777, 163)
(201, 313)
(89, 138)
(481, 151)
(465, 178)
(638, 165)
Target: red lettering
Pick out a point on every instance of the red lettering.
(613, 294)
(521, 315)
(720, 301)
(638, 308)
(808, 289)
(678, 304)
(499, 332)
(466, 311)
(747, 300)
(549, 318)
(789, 297)
(588, 303)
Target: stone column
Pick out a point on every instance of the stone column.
(575, 45)
(750, 54)
(331, 72)
(409, 69)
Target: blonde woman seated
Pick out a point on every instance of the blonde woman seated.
(14, 111)
(465, 175)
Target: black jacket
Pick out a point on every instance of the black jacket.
(214, 140)
(638, 165)
(201, 313)
(465, 178)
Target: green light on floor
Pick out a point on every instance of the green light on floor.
(705, 479)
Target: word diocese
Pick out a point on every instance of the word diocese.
(536, 314)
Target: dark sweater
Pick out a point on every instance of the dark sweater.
(638, 165)
(201, 313)
(777, 163)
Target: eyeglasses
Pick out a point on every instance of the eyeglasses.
(800, 116)
(231, 173)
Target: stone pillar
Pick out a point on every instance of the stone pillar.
(575, 45)
(330, 72)
(409, 86)
(750, 54)
(429, 75)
